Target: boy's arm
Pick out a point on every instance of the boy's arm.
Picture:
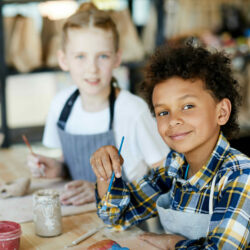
(229, 226)
(131, 203)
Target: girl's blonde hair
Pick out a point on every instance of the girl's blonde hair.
(88, 15)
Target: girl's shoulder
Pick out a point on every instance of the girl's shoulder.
(60, 99)
(62, 96)
(65, 93)
(131, 102)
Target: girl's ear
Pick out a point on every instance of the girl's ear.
(224, 111)
(62, 60)
(118, 59)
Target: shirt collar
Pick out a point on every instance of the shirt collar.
(177, 164)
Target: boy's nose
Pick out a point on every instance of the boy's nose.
(174, 120)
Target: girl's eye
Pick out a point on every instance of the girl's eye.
(189, 106)
(80, 57)
(163, 113)
(104, 56)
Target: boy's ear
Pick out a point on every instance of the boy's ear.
(224, 111)
(62, 61)
(118, 58)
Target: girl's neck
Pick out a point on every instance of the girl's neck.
(95, 103)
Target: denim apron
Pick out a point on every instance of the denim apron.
(189, 225)
(77, 148)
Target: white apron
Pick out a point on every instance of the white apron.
(189, 225)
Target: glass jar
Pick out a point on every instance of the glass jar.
(10, 233)
(47, 213)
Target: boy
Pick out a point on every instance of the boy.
(202, 192)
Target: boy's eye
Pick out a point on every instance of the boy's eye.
(163, 113)
(188, 106)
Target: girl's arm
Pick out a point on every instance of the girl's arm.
(46, 167)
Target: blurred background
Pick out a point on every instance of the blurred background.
(30, 37)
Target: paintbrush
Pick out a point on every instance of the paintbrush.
(85, 236)
(25, 139)
(104, 208)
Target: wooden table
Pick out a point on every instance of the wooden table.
(73, 227)
(13, 165)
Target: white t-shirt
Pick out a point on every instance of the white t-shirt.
(142, 146)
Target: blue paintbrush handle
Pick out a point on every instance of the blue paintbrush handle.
(113, 174)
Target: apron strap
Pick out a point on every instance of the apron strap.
(67, 109)
(211, 196)
(71, 100)
(112, 103)
(173, 187)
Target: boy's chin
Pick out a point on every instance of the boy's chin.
(181, 149)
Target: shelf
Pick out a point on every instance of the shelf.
(12, 71)
(23, 1)
(34, 134)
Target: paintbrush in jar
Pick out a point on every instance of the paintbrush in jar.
(25, 139)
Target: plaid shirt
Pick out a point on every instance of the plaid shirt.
(229, 228)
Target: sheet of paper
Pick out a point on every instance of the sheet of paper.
(19, 209)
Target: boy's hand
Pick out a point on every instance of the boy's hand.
(106, 160)
(162, 241)
(78, 193)
(41, 166)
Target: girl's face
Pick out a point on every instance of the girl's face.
(90, 57)
(188, 117)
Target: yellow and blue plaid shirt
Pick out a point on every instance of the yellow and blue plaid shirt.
(229, 228)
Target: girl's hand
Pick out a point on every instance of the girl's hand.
(162, 241)
(41, 166)
(106, 160)
(78, 192)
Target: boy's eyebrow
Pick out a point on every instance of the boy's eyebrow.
(181, 98)
(187, 96)
(158, 105)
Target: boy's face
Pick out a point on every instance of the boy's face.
(188, 117)
(90, 57)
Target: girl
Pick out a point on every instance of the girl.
(95, 112)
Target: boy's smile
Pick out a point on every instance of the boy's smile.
(188, 117)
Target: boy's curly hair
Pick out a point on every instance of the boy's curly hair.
(189, 62)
